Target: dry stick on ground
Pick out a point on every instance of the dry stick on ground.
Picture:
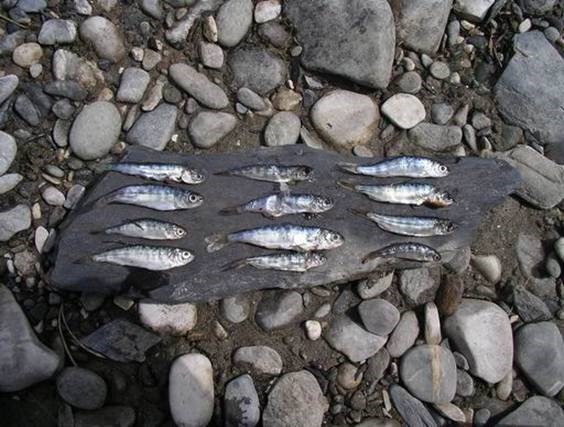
(62, 335)
(6, 18)
(75, 339)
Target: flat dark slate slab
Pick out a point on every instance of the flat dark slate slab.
(476, 184)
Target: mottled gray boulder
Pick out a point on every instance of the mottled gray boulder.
(435, 137)
(24, 360)
(14, 220)
(241, 403)
(154, 129)
(351, 339)
(295, 400)
(208, 128)
(421, 24)
(199, 86)
(278, 309)
(95, 130)
(535, 411)
(429, 373)
(353, 39)
(481, 331)
(57, 31)
(82, 388)
(539, 352)
(104, 36)
(234, 19)
(257, 69)
(530, 92)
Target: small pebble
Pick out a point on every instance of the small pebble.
(313, 329)
(440, 70)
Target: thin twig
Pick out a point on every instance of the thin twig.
(8, 19)
(62, 335)
(77, 341)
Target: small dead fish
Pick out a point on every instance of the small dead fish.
(272, 173)
(156, 258)
(277, 205)
(158, 197)
(152, 229)
(285, 236)
(403, 193)
(416, 226)
(295, 261)
(404, 166)
(409, 251)
(159, 172)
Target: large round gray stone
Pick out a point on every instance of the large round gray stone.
(104, 36)
(95, 130)
(429, 373)
(82, 388)
(234, 19)
(208, 128)
(257, 69)
(379, 316)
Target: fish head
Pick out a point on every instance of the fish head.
(446, 227)
(439, 170)
(316, 259)
(441, 199)
(331, 239)
(322, 204)
(193, 200)
(176, 232)
(303, 173)
(192, 176)
(436, 257)
(182, 256)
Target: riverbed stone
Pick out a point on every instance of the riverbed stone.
(134, 82)
(535, 411)
(257, 69)
(199, 86)
(241, 403)
(233, 20)
(82, 388)
(168, 319)
(379, 316)
(208, 128)
(404, 110)
(154, 129)
(351, 339)
(262, 359)
(104, 36)
(57, 31)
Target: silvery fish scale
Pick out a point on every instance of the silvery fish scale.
(476, 184)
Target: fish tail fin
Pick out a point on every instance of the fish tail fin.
(235, 265)
(216, 242)
(348, 167)
(371, 256)
(360, 212)
(234, 210)
(348, 185)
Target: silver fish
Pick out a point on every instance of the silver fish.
(280, 204)
(404, 166)
(285, 236)
(272, 173)
(152, 229)
(156, 258)
(404, 193)
(294, 261)
(159, 172)
(416, 226)
(409, 251)
(158, 197)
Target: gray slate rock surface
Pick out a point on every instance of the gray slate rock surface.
(421, 24)
(121, 341)
(539, 352)
(241, 403)
(185, 284)
(335, 43)
(257, 69)
(24, 360)
(535, 411)
(295, 399)
(95, 130)
(530, 92)
(154, 129)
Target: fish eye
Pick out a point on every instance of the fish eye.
(443, 168)
(436, 257)
(180, 231)
(185, 254)
(335, 237)
(193, 198)
(327, 202)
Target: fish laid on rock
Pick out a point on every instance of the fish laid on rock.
(293, 261)
(156, 258)
(403, 193)
(152, 229)
(158, 197)
(284, 236)
(160, 172)
(410, 251)
(404, 166)
(280, 204)
(416, 226)
(272, 173)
